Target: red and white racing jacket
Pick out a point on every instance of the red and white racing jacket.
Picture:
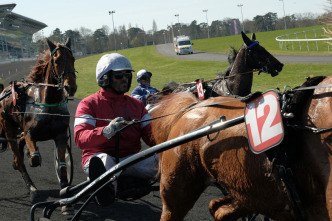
(107, 105)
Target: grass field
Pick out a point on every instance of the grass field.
(268, 39)
(165, 69)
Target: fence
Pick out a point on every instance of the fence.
(315, 39)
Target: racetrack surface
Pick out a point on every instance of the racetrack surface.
(15, 202)
(168, 50)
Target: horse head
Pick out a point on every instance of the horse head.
(62, 64)
(259, 57)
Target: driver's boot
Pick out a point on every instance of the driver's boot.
(106, 195)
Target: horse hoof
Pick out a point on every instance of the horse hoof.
(67, 210)
(14, 166)
(34, 162)
(63, 184)
(34, 196)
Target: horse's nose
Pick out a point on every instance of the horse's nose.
(280, 66)
(71, 90)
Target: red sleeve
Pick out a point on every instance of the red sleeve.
(85, 134)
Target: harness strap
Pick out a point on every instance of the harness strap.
(59, 77)
(61, 165)
(36, 154)
(255, 43)
(55, 49)
(51, 105)
(311, 129)
(287, 177)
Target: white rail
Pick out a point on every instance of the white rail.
(320, 39)
(291, 40)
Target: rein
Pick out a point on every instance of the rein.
(215, 79)
(190, 107)
(312, 87)
(228, 76)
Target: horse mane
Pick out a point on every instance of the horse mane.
(169, 87)
(37, 73)
(170, 104)
(300, 97)
(231, 58)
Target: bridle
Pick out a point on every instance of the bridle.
(65, 71)
(263, 63)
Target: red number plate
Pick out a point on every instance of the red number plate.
(13, 94)
(200, 90)
(264, 123)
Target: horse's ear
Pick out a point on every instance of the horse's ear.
(245, 38)
(253, 37)
(68, 43)
(50, 45)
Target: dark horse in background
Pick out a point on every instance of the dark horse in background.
(25, 112)
(239, 77)
(252, 181)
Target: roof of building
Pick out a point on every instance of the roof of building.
(15, 22)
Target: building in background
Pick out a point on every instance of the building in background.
(16, 34)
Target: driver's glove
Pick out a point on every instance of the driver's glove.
(113, 127)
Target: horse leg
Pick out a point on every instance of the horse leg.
(179, 187)
(61, 143)
(33, 152)
(21, 144)
(19, 163)
(226, 208)
(61, 146)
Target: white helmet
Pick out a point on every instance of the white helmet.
(114, 62)
(141, 73)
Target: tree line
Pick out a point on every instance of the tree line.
(86, 41)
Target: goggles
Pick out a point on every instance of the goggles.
(145, 78)
(120, 75)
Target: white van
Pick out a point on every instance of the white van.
(183, 45)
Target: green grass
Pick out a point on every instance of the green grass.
(292, 75)
(267, 40)
(166, 69)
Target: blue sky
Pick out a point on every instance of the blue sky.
(73, 14)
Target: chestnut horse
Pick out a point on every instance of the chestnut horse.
(239, 76)
(252, 181)
(44, 91)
